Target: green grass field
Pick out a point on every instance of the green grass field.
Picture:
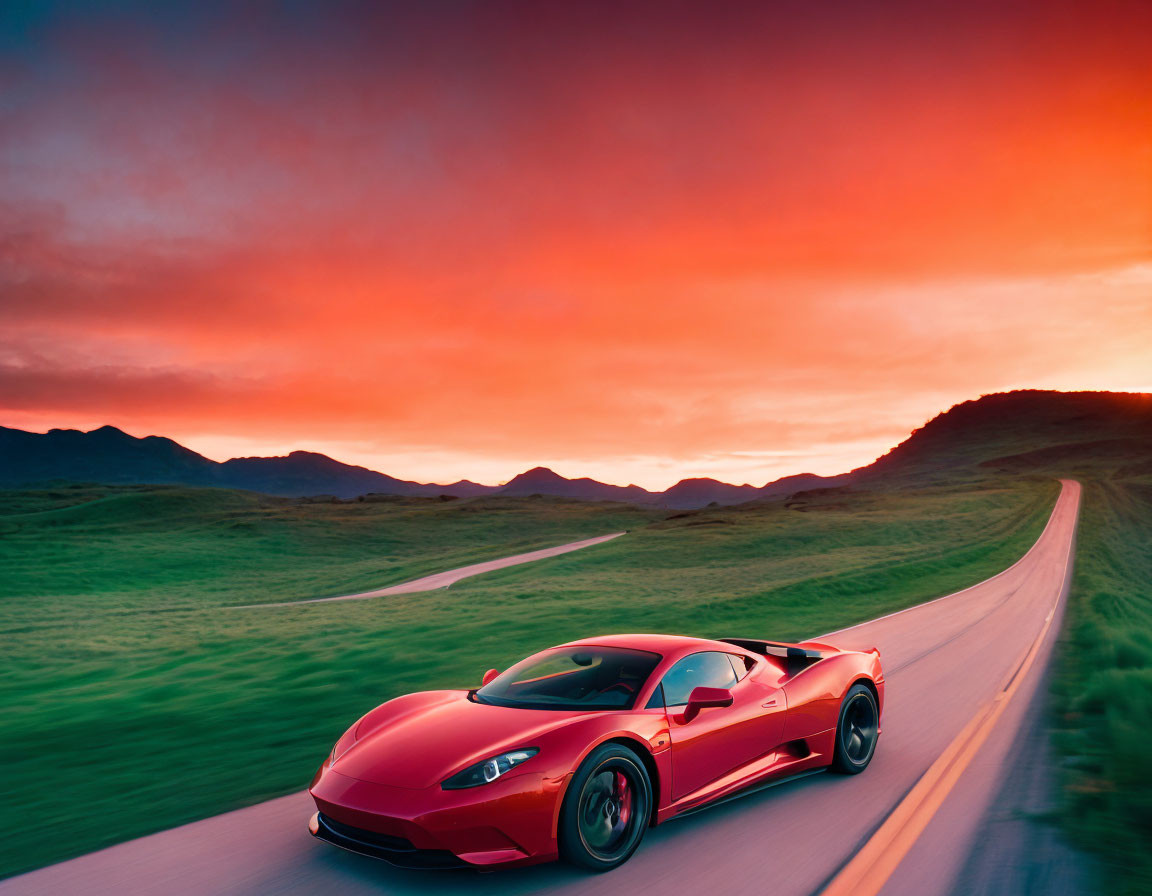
(133, 701)
(1103, 686)
(147, 547)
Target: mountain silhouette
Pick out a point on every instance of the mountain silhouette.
(1027, 431)
(542, 481)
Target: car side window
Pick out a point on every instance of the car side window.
(741, 666)
(710, 669)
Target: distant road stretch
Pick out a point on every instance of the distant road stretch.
(961, 671)
(444, 579)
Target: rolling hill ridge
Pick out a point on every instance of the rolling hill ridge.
(1014, 432)
(110, 455)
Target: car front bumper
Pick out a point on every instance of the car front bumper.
(394, 850)
(511, 821)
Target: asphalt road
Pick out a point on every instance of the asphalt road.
(949, 664)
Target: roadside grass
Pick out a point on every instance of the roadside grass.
(1103, 684)
(134, 702)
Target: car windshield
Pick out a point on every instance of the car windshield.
(573, 678)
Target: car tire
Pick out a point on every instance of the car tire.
(856, 731)
(606, 809)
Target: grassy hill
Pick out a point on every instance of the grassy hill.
(1105, 434)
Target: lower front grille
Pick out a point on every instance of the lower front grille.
(395, 850)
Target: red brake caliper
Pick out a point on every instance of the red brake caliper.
(623, 798)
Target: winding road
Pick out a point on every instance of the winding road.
(962, 673)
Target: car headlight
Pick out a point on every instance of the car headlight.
(347, 739)
(489, 770)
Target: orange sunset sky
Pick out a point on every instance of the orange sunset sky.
(636, 242)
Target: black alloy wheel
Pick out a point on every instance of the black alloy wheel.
(857, 731)
(606, 809)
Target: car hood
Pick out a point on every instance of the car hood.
(422, 739)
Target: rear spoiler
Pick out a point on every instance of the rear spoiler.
(798, 658)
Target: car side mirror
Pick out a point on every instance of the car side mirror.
(488, 676)
(704, 698)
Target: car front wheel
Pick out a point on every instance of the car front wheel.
(606, 809)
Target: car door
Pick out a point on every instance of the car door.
(719, 740)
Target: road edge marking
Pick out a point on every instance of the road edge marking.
(867, 872)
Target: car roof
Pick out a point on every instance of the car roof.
(667, 645)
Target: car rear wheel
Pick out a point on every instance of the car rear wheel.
(606, 809)
(857, 731)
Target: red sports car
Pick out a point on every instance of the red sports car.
(576, 750)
